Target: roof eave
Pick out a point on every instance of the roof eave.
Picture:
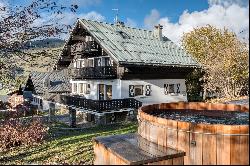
(159, 64)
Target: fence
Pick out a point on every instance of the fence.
(100, 105)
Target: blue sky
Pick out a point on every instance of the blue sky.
(138, 9)
(176, 16)
(133, 9)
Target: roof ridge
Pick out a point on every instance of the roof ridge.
(112, 24)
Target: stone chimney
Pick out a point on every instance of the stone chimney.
(158, 32)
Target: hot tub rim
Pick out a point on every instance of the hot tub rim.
(193, 127)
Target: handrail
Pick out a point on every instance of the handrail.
(100, 105)
(95, 72)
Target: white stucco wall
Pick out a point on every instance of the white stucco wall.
(120, 89)
(157, 90)
(116, 92)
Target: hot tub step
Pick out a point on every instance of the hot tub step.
(132, 149)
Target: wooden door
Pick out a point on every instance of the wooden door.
(108, 92)
(101, 91)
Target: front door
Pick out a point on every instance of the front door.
(101, 91)
(104, 92)
(108, 92)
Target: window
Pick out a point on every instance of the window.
(84, 88)
(80, 87)
(78, 64)
(98, 62)
(74, 87)
(90, 62)
(138, 90)
(171, 88)
(106, 61)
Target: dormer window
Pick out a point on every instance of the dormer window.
(124, 35)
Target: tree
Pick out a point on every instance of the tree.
(224, 58)
(19, 25)
(194, 85)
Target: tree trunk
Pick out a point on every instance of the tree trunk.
(204, 93)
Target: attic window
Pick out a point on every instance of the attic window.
(124, 35)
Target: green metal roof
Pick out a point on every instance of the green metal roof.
(139, 47)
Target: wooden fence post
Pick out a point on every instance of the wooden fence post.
(72, 114)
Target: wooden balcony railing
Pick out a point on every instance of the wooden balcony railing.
(99, 105)
(94, 72)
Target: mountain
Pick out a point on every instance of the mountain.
(45, 43)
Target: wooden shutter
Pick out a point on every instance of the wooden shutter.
(178, 88)
(148, 90)
(165, 89)
(131, 91)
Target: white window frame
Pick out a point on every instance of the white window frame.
(86, 88)
(74, 88)
(103, 61)
(175, 89)
(93, 64)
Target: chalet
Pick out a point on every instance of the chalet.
(114, 62)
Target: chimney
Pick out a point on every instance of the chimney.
(120, 23)
(46, 82)
(158, 32)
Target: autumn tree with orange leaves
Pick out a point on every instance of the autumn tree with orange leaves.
(225, 60)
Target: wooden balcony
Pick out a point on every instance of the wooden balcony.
(99, 72)
(99, 105)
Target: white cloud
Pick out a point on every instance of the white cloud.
(3, 9)
(233, 17)
(92, 16)
(227, 3)
(130, 22)
(152, 19)
(68, 18)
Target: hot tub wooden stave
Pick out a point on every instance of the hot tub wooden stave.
(203, 143)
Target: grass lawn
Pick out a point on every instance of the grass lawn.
(64, 146)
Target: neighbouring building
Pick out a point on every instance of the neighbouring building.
(111, 62)
(47, 87)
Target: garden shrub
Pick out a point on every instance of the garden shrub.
(14, 132)
(7, 114)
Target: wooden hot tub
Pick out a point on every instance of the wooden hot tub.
(203, 143)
